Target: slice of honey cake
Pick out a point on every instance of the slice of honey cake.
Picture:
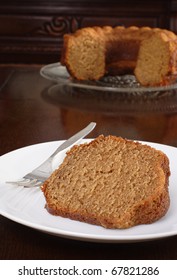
(112, 182)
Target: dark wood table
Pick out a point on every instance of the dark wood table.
(35, 110)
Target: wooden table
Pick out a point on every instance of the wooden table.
(35, 110)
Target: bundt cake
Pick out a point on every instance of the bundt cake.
(110, 181)
(148, 53)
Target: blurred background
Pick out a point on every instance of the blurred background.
(31, 31)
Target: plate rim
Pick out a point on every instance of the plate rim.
(69, 82)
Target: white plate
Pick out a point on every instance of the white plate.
(127, 83)
(26, 206)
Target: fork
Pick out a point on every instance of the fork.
(36, 177)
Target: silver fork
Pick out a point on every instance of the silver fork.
(43, 171)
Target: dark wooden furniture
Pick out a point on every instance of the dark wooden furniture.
(29, 114)
(32, 31)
